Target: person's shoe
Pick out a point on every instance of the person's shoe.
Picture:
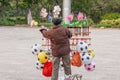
(67, 77)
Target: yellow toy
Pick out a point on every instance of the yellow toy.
(91, 52)
(43, 57)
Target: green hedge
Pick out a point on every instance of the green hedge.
(18, 20)
(11, 21)
(111, 16)
(6, 22)
(111, 20)
(104, 25)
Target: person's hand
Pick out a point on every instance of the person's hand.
(42, 28)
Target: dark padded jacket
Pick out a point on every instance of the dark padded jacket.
(59, 37)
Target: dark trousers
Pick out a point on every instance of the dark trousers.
(55, 66)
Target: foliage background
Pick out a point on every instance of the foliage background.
(15, 11)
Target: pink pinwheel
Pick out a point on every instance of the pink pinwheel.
(70, 17)
(80, 16)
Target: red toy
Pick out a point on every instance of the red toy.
(47, 69)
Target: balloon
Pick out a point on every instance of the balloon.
(36, 23)
(42, 57)
(32, 23)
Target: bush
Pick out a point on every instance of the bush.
(18, 20)
(111, 16)
(21, 20)
(47, 25)
(38, 19)
(90, 22)
(114, 22)
(6, 22)
(104, 25)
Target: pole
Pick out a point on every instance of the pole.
(66, 10)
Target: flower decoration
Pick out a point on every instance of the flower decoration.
(57, 8)
(80, 16)
(43, 12)
(70, 17)
(56, 11)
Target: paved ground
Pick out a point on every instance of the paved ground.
(17, 62)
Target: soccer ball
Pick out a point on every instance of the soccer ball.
(82, 46)
(90, 67)
(39, 65)
(42, 57)
(86, 58)
(36, 48)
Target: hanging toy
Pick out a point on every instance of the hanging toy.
(39, 65)
(86, 58)
(61, 67)
(82, 46)
(47, 69)
(90, 67)
(36, 48)
(91, 52)
(76, 59)
(43, 57)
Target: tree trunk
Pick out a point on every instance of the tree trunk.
(29, 17)
(16, 7)
(66, 10)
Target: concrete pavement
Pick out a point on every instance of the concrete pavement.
(18, 63)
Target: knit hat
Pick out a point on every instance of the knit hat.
(56, 21)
